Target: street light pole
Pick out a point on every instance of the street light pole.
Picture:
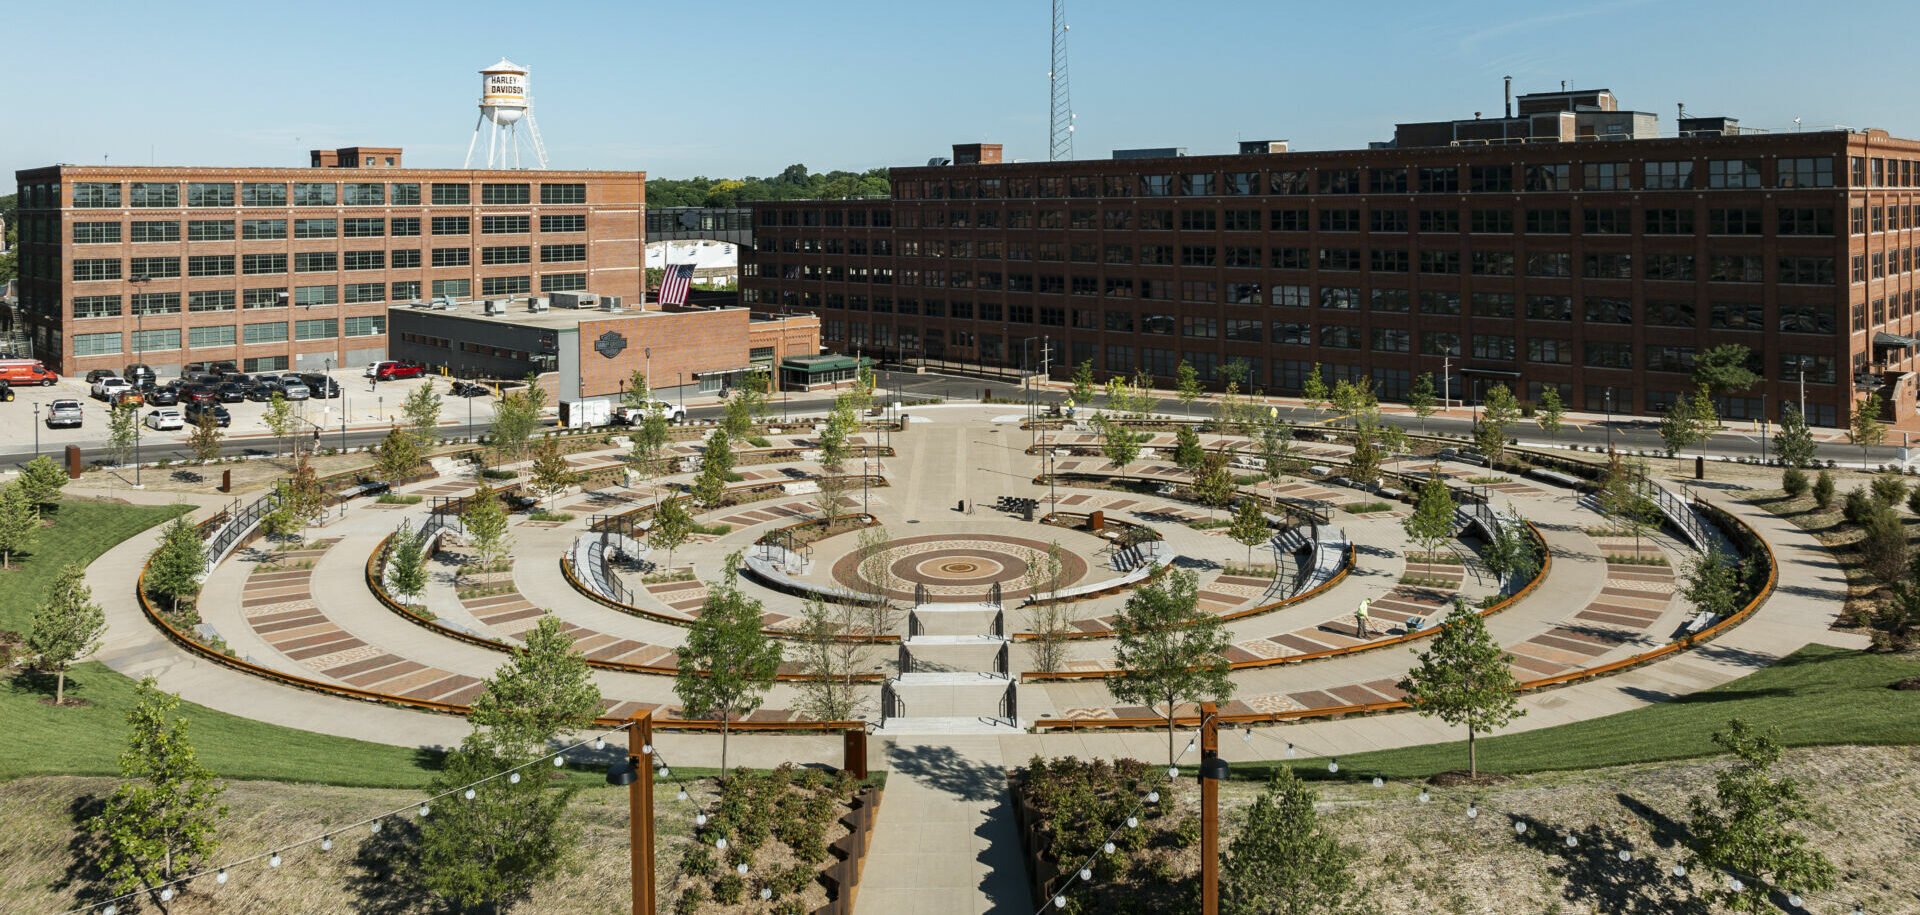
(36, 430)
(1609, 419)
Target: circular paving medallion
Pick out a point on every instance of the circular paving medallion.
(954, 569)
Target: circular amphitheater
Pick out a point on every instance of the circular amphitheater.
(966, 527)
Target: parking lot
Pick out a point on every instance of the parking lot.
(363, 406)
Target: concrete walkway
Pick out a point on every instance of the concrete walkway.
(946, 843)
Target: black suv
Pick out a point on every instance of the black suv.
(320, 385)
(219, 413)
(159, 395)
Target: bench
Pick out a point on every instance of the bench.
(1700, 621)
(371, 487)
(1555, 477)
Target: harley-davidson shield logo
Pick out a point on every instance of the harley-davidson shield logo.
(610, 344)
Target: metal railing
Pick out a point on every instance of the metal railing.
(891, 705)
(919, 594)
(1680, 513)
(914, 626)
(1000, 622)
(993, 596)
(905, 661)
(240, 523)
(1010, 705)
(1001, 660)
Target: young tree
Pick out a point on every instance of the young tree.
(422, 410)
(1118, 444)
(716, 469)
(161, 820)
(1276, 447)
(1793, 482)
(123, 430)
(1142, 401)
(1047, 616)
(1550, 413)
(1214, 483)
(1250, 527)
(175, 566)
(1169, 650)
(1794, 444)
(298, 499)
(1747, 829)
(1464, 679)
(485, 520)
(399, 454)
(835, 447)
(1864, 426)
(736, 418)
(66, 628)
(1314, 390)
(1723, 370)
(833, 656)
(41, 481)
(1364, 462)
(1285, 862)
(638, 396)
(19, 523)
(1083, 384)
(516, 416)
(1688, 422)
(1823, 489)
(1186, 385)
(551, 472)
(1423, 399)
(1713, 583)
(1498, 412)
(650, 435)
(489, 852)
(1621, 499)
(672, 527)
(280, 419)
(727, 662)
(206, 438)
(407, 564)
(1188, 455)
(1511, 553)
(1431, 522)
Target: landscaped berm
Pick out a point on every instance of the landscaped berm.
(960, 659)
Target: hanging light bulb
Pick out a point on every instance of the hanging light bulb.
(699, 819)
(1679, 870)
(1059, 902)
(1736, 884)
(600, 743)
(374, 826)
(646, 749)
(166, 894)
(111, 909)
(1133, 822)
(720, 843)
(469, 794)
(1246, 735)
(666, 772)
(513, 779)
(741, 869)
(221, 878)
(1333, 765)
(766, 892)
(1173, 771)
(1626, 855)
(1793, 899)
(682, 795)
(1086, 873)
(1424, 796)
(1520, 827)
(1108, 848)
(1573, 842)
(1153, 797)
(1379, 782)
(1289, 751)
(1189, 746)
(559, 761)
(1473, 812)
(426, 810)
(326, 843)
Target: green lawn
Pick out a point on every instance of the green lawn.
(42, 740)
(1816, 696)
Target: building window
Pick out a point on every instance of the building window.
(363, 228)
(156, 303)
(1497, 347)
(1550, 264)
(505, 225)
(1548, 177)
(1606, 176)
(1491, 222)
(1549, 222)
(1344, 298)
(505, 285)
(316, 329)
(263, 229)
(452, 195)
(1549, 308)
(1492, 304)
(1607, 221)
(211, 335)
(452, 225)
(1669, 267)
(1669, 176)
(566, 222)
(363, 195)
(1736, 316)
(1492, 263)
(1550, 350)
(316, 228)
(255, 264)
(211, 300)
(363, 293)
(264, 297)
(264, 364)
(1742, 221)
(1490, 178)
(151, 232)
(210, 195)
(1735, 268)
(96, 306)
(263, 195)
(1445, 262)
(1439, 180)
(1387, 180)
(404, 258)
(316, 262)
(452, 289)
(1609, 310)
(1440, 343)
(566, 282)
(153, 341)
(405, 291)
(316, 295)
(1391, 301)
(210, 265)
(1387, 221)
(1391, 340)
(1669, 222)
(210, 230)
(562, 253)
(1288, 182)
(504, 194)
(157, 268)
(153, 194)
(1339, 336)
(96, 344)
(1440, 221)
(1200, 185)
(404, 195)
(1733, 173)
(96, 233)
(1806, 172)
(452, 257)
(1670, 358)
(1608, 266)
(370, 326)
(98, 195)
(313, 194)
(1340, 181)
(508, 254)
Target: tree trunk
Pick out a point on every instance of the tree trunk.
(1170, 758)
(60, 686)
(1473, 757)
(723, 746)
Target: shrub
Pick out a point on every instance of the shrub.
(1888, 490)
(1858, 507)
(1794, 482)
(690, 901)
(1823, 490)
(729, 890)
(1913, 501)
(698, 860)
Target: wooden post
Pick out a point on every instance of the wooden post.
(75, 466)
(226, 480)
(1209, 810)
(855, 748)
(640, 813)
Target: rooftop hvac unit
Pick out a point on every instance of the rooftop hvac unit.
(416, 303)
(536, 303)
(611, 303)
(494, 307)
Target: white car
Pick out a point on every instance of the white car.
(165, 420)
(106, 388)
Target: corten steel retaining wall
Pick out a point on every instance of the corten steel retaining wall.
(842, 877)
(1733, 525)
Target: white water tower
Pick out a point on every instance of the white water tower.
(505, 102)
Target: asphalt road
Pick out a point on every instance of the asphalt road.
(1627, 434)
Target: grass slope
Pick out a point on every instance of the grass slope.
(1817, 696)
(86, 740)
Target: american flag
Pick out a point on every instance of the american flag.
(673, 286)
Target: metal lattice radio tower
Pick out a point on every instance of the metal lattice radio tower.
(1060, 129)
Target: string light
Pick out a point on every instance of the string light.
(766, 893)
(1520, 827)
(425, 810)
(1793, 899)
(1626, 855)
(1573, 842)
(221, 878)
(1153, 797)
(599, 743)
(741, 868)
(326, 843)
(1424, 796)
(469, 794)
(166, 894)
(559, 761)
(1379, 782)
(374, 826)
(720, 843)
(513, 779)
(274, 861)
(1108, 848)
(1679, 870)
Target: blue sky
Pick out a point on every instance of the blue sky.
(750, 86)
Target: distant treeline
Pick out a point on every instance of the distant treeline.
(793, 183)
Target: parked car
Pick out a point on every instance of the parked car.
(64, 414)
(26, 371)
(221, 417)
(97, 374)
(395, 371)
(292, 388)
(627, 416)
(215, 367)
(140, 374)
(198, 393)
(320, 385)
(130, 396)
(160, 395)
(105, 388)
(373, 369)
(6, 391)
(231, 392)
(164, 420)
(263, 390)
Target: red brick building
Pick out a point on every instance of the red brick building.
(1562, 247)
(288, 268)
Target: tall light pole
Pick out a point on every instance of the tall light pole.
(36, 430)
(1609, 419)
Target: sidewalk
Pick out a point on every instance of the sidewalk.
(946, 843)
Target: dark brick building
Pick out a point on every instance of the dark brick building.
(1565, 246)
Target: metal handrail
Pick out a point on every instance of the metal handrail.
(1679, 512)
(1010, 704)
(993, 595)
(906, 659)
